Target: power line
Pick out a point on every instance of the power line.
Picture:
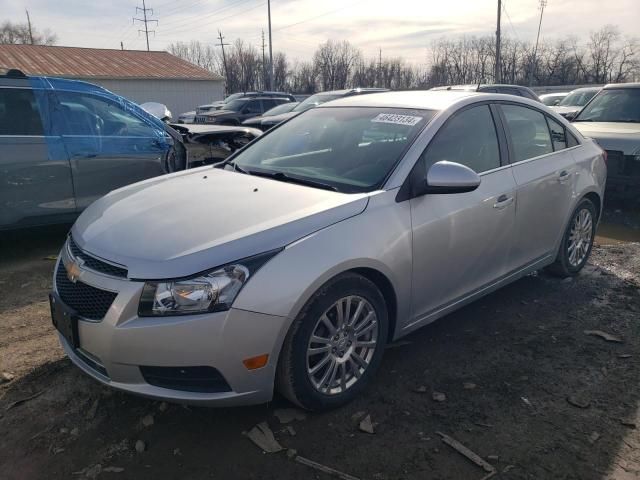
(504, 9)
(180, 22)
(317, 16)
(144, 20)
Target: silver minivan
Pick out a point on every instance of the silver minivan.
(292, 264)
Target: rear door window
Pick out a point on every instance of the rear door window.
(528, 131)
(19, 114)
(468, 138)
(558, 135)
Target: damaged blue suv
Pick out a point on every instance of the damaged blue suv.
(65, 143)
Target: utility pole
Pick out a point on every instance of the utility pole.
(497, 66)
(29, 24)
(121, 46)
(380, 67)
(224, 58)
(270, 48)
(264, 66)
(543, 3)
(146, 21)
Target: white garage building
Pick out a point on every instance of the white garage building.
(138, 75)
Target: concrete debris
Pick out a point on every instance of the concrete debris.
(147, 420)
(604, 335)
(6, 377)
(263, 437)
(366, 425)
(288, 415)
(469, 385)
(140, 446)
(439, 396)
(113, 469)
(578, 402)
(594, 437)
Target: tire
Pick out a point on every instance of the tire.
(567, 265)
(294, 379)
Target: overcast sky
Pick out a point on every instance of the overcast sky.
(400, 27)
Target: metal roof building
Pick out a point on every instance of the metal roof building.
(138, 75)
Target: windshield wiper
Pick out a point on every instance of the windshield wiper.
(286, 178)
(233, 164)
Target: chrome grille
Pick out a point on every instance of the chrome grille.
(94, 264)
(88, 302)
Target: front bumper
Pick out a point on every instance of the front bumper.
(113, 349)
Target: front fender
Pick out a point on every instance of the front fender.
(379, 239)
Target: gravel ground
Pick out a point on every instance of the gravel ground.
(513, 377)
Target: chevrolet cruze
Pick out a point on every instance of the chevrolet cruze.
(292, 264)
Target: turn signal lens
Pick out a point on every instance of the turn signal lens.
(256, 362)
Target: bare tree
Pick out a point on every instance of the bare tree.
(18, 34)
(198, 53)
(335, 62)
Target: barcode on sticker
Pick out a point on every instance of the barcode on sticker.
(408, 120)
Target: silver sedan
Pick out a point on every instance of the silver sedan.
(291, 265)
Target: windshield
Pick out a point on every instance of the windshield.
(236, 105)
(284, 108)
(350, 149)
(550, 100)
(614, 105)
(314, 101)
(577, 99)
(233, 96)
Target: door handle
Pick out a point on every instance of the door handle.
(563, 176)
(503, 202)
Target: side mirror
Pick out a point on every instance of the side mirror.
(450, 177)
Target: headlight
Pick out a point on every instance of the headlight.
(210, 292)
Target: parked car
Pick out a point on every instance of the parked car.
(517, 90)
(210, 144)
(187, 117)
(573, 103)
(237, 111)
(551, 99)
(612, 118)
(256, 122)
(296, 261)
(219, 105)
(65, 143)
(314, 101)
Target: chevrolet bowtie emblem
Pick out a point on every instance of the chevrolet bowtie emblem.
(74, 269)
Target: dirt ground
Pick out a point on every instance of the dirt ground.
(524, 387)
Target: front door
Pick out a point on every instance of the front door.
(461, 242)
(544, 171)
(110, 145)
(35, 175)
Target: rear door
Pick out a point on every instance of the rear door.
(109, 143)
(35, 174)
(544, 170)
(462, 242)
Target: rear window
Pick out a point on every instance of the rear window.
(19, 114)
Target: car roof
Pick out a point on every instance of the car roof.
(621, 85)
(422, 99)
(586, 89)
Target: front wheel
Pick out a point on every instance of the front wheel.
(335, 344)
(577, 241)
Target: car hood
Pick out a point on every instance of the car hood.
(624, 137)
(181, 224)
(275, 119)
(219, 113)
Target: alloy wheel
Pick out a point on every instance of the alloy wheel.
(580, 237)
(342, 345)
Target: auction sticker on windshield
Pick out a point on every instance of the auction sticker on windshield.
(408, 120)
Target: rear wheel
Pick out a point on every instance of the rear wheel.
(335, 345)
(577, 241)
